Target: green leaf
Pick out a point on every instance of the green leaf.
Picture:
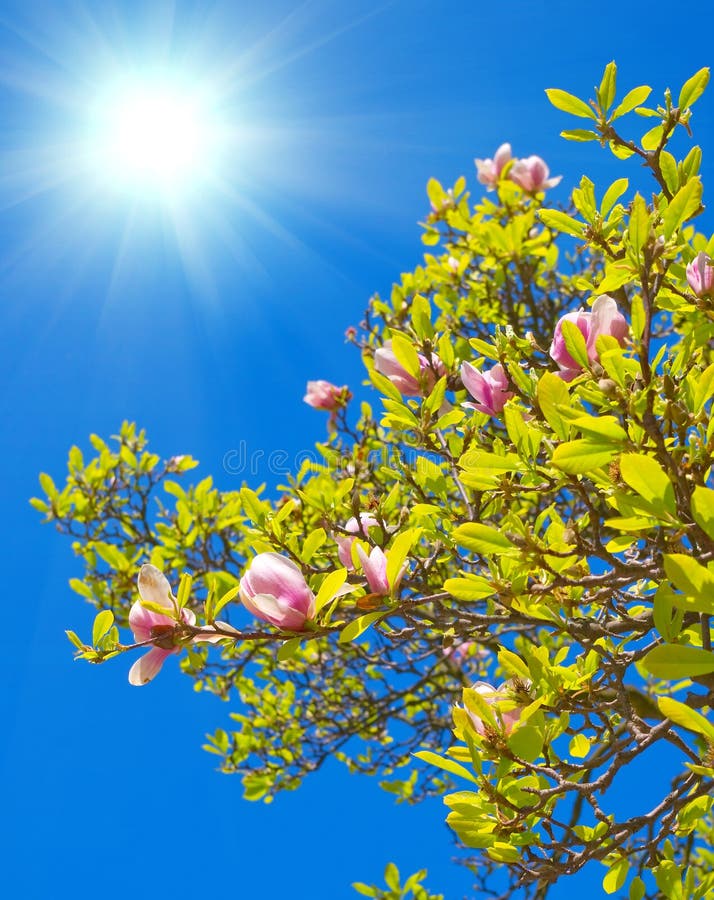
(703, 509)
(613, 194)
(693, 88)
(639, 227)
(648, 479)
(651, 139)
(560, 221)
(608, 86)
(421, 317)
(513, 664)
(526, 742)
(102, 623)
(579, 746)
(569, 103)
(503, 852)
(448, 765)
(81, 588)
(637, 316)
(684, 715)
(637, 888)
(391, 877)
(579, 134)
(551, 393)
(481, 539)
(79, 644)
(398, 552)
(469, 589)
(384, 385)
(575, 343)
(694, 580)
(668, 167)
(667, 618)
(616, 876)
(682, 206)
(48, 485)
(288, 649)
(486, 463)
(674, 661)
(478, 707)
(632, 98)
(581, 456)
(312, 544)
(225, 599)
(601, 428)
(616, 274)
(358, 626)
(329, 587)
(406, 353)
(703, 389)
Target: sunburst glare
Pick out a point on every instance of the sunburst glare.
(152, 136)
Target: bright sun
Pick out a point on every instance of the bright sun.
(154, 138)
(158, 134)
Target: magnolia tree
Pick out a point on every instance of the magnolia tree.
(496, 586)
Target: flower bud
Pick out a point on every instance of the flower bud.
(274, 589)
(325, 395)
(700, 274)
(531, 174)
(374, 567)
(387, 364)
(494, 697)
(488, 171)
(355, 526)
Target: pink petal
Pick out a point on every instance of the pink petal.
(154, 586)
(148, 666)
(374, 567)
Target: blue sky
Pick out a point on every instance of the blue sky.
(205, 333)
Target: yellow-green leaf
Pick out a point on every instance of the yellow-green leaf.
(358, 626)
(693, 88)
(570, 104)
(682, 206)
(632, 98)
(684, 715)
(674, 661)
(581, 456)
(102, 623)
(448, 765)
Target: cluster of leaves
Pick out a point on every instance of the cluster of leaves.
(566, 545)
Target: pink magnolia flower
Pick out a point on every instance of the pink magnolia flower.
(356, 527)
(489, 388)
(324, 395)
(374, 567)
(531, 174)
(488, 171)
(700, 274)
(274, 589)
(604, 318)
(494, 696)
(148, 625)
(386, 363)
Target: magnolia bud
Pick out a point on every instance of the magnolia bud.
(607, 386)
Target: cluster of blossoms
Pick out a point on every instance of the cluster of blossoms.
(273, 588)
(531, 173)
